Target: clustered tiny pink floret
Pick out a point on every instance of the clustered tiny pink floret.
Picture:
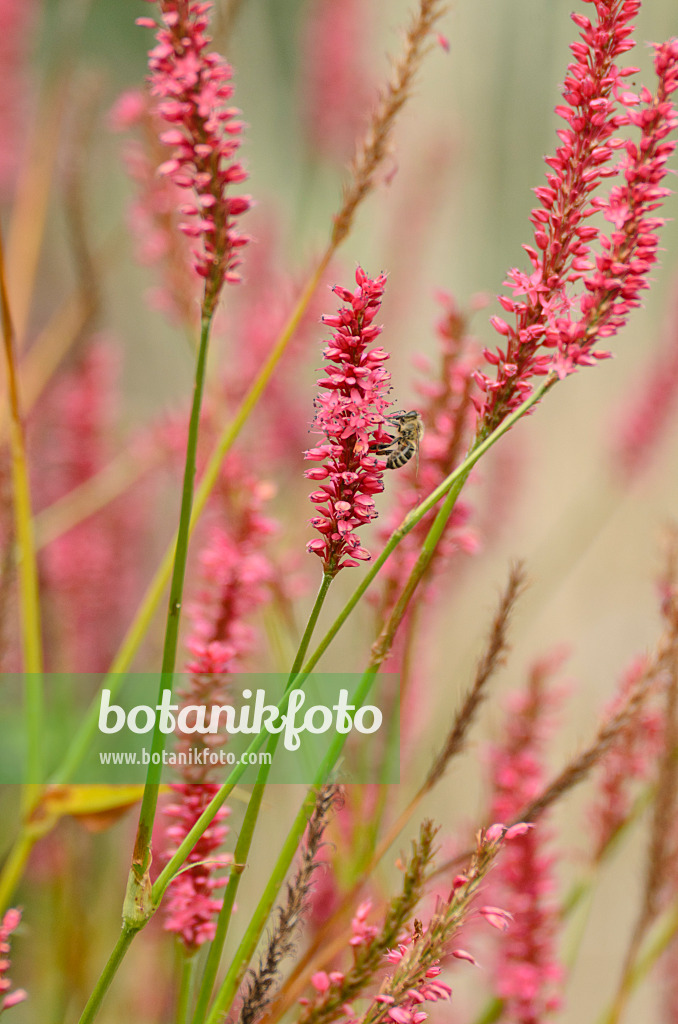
(408, 1009)
(419, 951)
(430, 990)
(194, 88)
(570, 298)
(9, 923)
(350, 411)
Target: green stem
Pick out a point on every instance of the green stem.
(142, 845)
(173, 865)
(107, 975)
(248, 826)
(14, 865)
(296, 678)
(310, 626)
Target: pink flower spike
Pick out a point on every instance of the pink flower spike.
(193, 90)
(350, 412)
(571, 297)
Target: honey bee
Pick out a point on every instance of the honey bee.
(409, 428)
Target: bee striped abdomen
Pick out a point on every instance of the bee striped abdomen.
(399, 457)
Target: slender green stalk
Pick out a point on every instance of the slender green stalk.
(310, 626)
(142, 845)
(31, 635)
(296, 678)
(659, 940)
(657, 943)
(183, 850)
(110, 970)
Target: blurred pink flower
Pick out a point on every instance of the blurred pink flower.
(631, 759)
(335, 86)
(527, 972)
(645, 414)
(350, 412)
(92, 570)
(17, 21)
(265, 302)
